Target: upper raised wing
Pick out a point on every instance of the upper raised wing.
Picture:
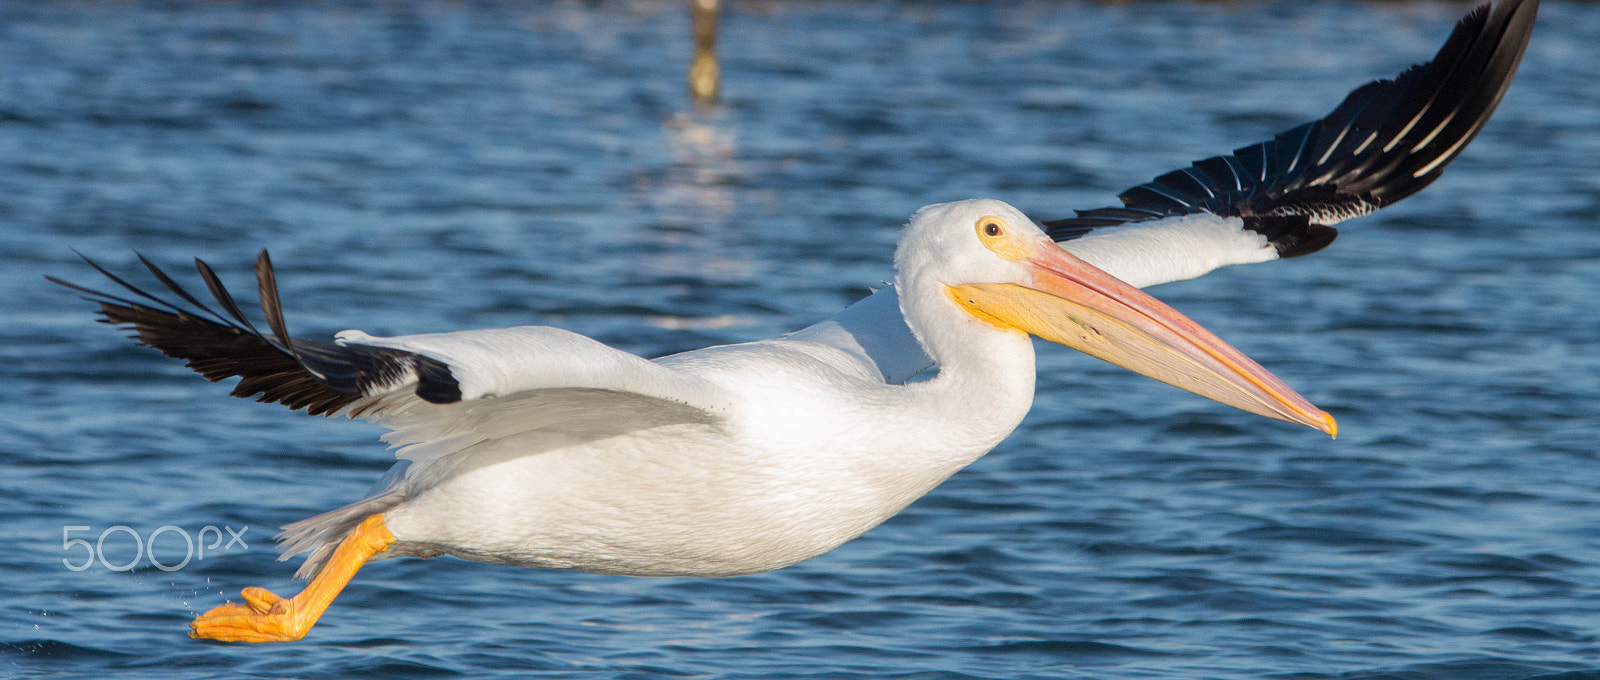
(1266, 201)
(366, 376)
(1386, 141)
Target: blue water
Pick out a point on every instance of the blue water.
(432, 166)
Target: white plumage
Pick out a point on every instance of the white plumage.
(728, 460)
(538, 447)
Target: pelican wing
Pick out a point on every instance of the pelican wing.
(451, 400)
(1279, 198)
(379, 378)
(1266, 201)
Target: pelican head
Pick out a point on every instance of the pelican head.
(993, 264)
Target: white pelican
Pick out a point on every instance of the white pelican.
(535, 446)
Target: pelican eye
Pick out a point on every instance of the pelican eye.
(995, 234)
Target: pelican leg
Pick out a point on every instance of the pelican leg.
(265, 617)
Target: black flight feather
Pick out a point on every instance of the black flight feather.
(1387, 140)
(320, 377)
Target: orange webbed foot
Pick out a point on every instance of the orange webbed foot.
(264, 617)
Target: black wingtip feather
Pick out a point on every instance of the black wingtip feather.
(1292, 235)
(220, 292)
(1386, 141)
(271, 307)
(435, 382)
(175, 288)
(276, 369)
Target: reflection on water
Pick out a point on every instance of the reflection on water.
(700, 183)
(696, 197)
